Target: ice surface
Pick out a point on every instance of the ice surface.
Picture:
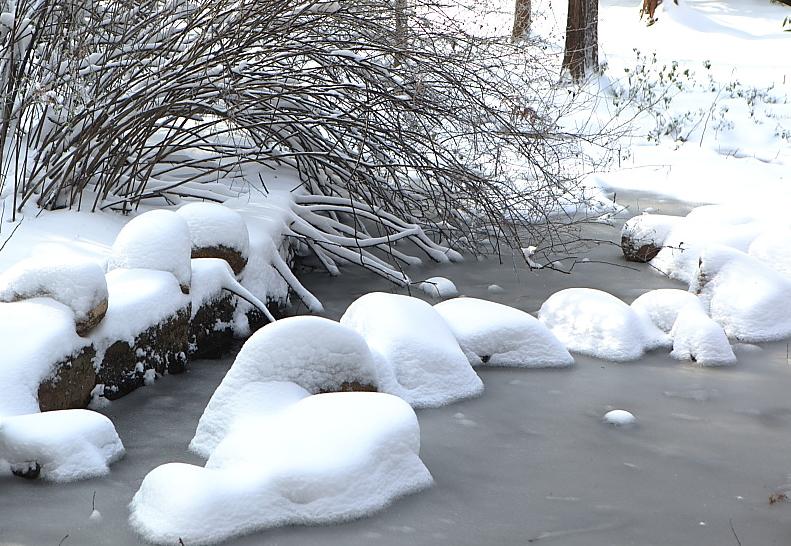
(498, 335)
(158, 240)
(212, 225)
(429, 367)
(327, 458)
(595, 323)
(439, 287)
(663, 305)
(748, 299)
(697, 337)
(79, 285)
(279, 364)
(68, 445)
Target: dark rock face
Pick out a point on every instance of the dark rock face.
(71, 383)
(30, 471)
(636, 252)
(211, 331)
(162, 348)
(351, 386)
(94, 317)
(233, 257)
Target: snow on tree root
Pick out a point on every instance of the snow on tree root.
(60, 446)
(748, 299)
(597, 324)
(210, 276)
(158, 240)
(78, 285)
(663, 305)
(429, 369)
(281, 363)
(697, 337)
(498, 335)
(216, 229)
(327, 458)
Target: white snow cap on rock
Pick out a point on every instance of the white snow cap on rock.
(697, 337)
(281, 363)
(327, 458)
(663, 305)
(214, 225)
(413, 340)
(79, 285)
(499, 335)
(67, 445)
(748, 299)
(595, 323)
(158, 239)
(649, 229)
(439, 288)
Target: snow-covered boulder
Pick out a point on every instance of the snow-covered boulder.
(61, 446)
(749, 300)
(772, 248)
(643, 236)
(439, 288)
(598, 324)
(662, 306)
(159, 240)
(281, 363)
(498, 335)
(697, 337)
(429, 369)
(217, 232)
(327, 458)
(79, 285)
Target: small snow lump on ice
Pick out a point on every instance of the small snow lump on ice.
(619, 418)
(439, 288)
(498, 335)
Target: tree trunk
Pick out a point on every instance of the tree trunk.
(582, 38)
(521, 19)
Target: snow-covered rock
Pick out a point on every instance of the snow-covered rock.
(595, 323)
(61, 446)
(79, 285)
(772, 248)
(408, 335)
(619, 418)
(697, 337)
(158, 240)
(663, 305)
(439, 288)
(643, 236)
(748, 299)
(327, 458)
(217, 232)
(498, 335)
(281, 363)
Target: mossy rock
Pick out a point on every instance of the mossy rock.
(351, 386)
(635, 252)
(211, 330)
(230, 255)
(71, 383)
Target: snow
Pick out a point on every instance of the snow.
(327, 458)
(619, 418)
(649, 229)
(495, 289)
(748, 299)
(439, 288)
(429, 369)
(773, 249)
(281, 363)
(697, 337)
(213, 225)
(68, 445)
(595, 323)
(210, 276)
(79, 285)
(663, 305)
(157, 240)
(498, 335)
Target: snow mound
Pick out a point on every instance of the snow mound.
(498, 335)
(210, 277)
(79, 285)
(595, 323)
(663, 305)
(773, 249)
(429, 369)
(327, 458)
(159, 240)
(748, 299)
(439, 288)
(619, 418)
(67, 445)
(644, 235)
(214, 225)
(281, 363)
(697, 337)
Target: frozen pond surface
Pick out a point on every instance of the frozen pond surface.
(529, 462)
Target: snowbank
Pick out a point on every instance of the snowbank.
(697, 337)
(598, 324)
(327, 458)
(281, 363)
(408, 335)
(663, 305)
(772, 248)
(158, 240)
(62, 445)
(439, 288)
(498, 335)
